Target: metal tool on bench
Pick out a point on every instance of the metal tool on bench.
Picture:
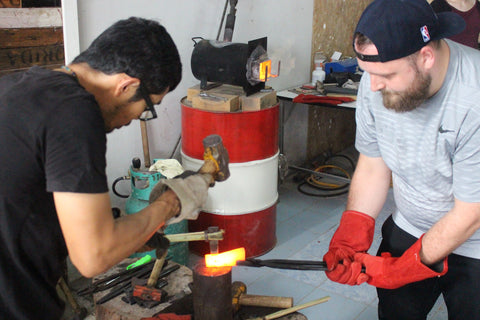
(116, 279)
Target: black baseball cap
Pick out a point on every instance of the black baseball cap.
(399, 28)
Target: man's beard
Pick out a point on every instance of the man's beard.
(412, 97)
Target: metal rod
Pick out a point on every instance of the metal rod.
(223, 18)
(176, 146)
(322, 174)
(195, 236)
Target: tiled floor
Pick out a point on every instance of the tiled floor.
(305, 226)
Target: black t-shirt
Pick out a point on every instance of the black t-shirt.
(52, 138)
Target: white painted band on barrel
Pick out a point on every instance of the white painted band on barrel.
(251, 187)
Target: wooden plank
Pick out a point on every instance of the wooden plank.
(10, 3)
(224, 98)
(48, 66)
(30, 17)
(30, 37)
(334, 32)
(259, 100)
(256, 101)
(222, 89)
(218, 102)
(16, 58)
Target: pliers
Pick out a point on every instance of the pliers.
(285, 264)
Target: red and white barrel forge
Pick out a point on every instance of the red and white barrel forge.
(245, 204)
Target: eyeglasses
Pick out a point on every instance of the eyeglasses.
(149, 113)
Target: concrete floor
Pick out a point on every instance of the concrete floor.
(305, 225)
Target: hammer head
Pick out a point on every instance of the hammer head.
(238, 288)
(216, 158)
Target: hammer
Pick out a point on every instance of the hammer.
(150, 292)
(215, 164)
(241, 298)
(215, 158)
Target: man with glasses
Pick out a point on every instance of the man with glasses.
(54, 196)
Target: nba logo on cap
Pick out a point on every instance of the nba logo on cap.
(425, 34)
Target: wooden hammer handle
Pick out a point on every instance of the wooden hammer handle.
(265, 301)
(157, 269)
(284, 312)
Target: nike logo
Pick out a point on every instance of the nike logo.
(441, 130)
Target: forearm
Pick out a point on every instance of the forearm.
(450, 232)
(96, 241)
(130, 232)
(369, 186)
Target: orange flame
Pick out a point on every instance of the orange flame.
(265, 68)
(265, 71)
(225, 259)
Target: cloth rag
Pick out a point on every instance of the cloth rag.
(310, 98)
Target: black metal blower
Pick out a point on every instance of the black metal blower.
(240, 64)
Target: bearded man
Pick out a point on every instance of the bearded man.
(418, 121)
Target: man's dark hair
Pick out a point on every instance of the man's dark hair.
(142, 49)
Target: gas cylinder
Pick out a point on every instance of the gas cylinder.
(142, 183)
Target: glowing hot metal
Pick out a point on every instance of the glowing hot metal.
(225, 259)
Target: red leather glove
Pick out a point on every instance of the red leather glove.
(354, 234)
(390, 273)
(348, 272)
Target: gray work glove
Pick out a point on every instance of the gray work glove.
(191, 190)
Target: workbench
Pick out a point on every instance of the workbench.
(306, 130)
(119, 310)
(178, 281)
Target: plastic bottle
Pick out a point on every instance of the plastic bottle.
(318, 75)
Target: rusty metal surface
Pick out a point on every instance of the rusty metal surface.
(212, 293)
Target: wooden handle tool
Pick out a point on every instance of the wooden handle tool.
(284, 312)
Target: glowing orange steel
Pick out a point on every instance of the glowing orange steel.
(265, 67)
(224, 259)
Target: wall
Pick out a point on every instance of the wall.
(331, 130)
(286, 23)
(29, 36)
(333, 32)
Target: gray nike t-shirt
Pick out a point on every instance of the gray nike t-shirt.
(434, 150)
